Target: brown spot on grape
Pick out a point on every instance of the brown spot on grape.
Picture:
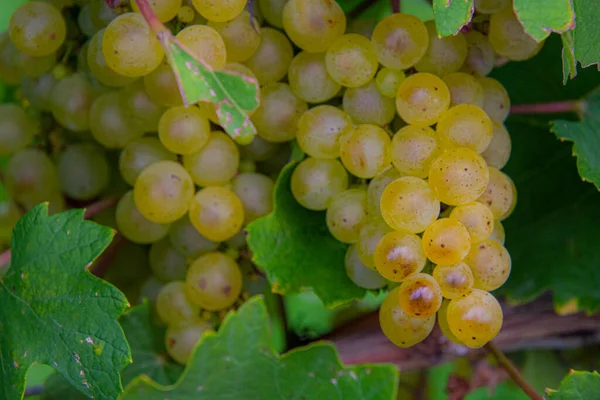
(171, 342)
(482, 246)
(226, 290)
(443, 246)
(202, 283)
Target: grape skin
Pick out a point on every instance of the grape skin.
(477, 218)
(475, 319)
(400, 41)
(346, 214)
(351, 60)
(498, 151)
(165, 10)
(216, 163)
(217, 213)
(443, 55)
(173, 306)
(414, 149)
(455, 280)
(219, 10)
(446, 241)
(255, 191)
(241, 36)
(180, 340)
(500, 194)
(309, 80)
(315, 182)
(139, 154)
(398, 255)
(134, 226)
(369, 236)
(375, 190)
(37, 28)
(320, 130)
(365, 150)
(359, 273)
(490, 263)
(366, 105)
(420, 296)
(206, 44)
(271, 61)
(422, 98)
(183, 130)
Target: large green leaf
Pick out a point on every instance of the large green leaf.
(541, 17)
(451, 15)
(55, 312)
(507, 390)
(578, 385)
(240, 363)
(584, 45)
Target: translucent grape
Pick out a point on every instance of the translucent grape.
(173, 306)
(465, 125)
(422, 98)
(420, 296)
(464, 89)
(458, 176)
(134, 226)
(217, 213)
(139, 154)
(109, 124)
(259, 149)
(489, 6)
(184, 130)
(309, 80)
(398, 255)
(365, 150)
(166, 263)
(180, 340)
(400, 40)
(498, 151)
(368, 238)
(508, 37)
(99, 67)
(255, 191)
(315, 182)
(37, 29)
(446, 241)
(30, 177)
(477, 218)
(346, 215)
(142, 111)
(216, 163)
(320, 129)
(498, 234)
(496, 102)
(186, 14)
(219, 10)
(186, 239)
(165, 10)
(240, 35)
(414, 149)
(366, 105)
(205, 43)
(409, 204)
(161, 86)
(490, 263)
(83, 171)
(442, 318)
(500, 194)
(38, 91)
(481, 56)
(16, 129)
(455, 280)
(272, 10)
(351, 60)
(375, 189)
(272, 59)
(444, 55)
(72, 99)
(475, 319)
(359, 273)
(388, 81)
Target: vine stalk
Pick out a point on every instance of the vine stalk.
(564, 106)
(396, 6)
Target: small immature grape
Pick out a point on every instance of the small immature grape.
(398, 255)
(365, 150)
(508, 37)
(375, 189)
(455, 280)
(180, 340)
(183, 130)
(161, 86)
(498, 234)
(37, 28)
(109, 124)
(98, 66)
(255, 191)
(442, 318)
(465, 125)
(83, 171)
(186, 239)
(500, 195)
(186, 15)
(134, 226)
(16, 129)
(320, 129)
(366, 105)
(72, 99)
(490, 263)
(351, 60)
(398, 327)
(414, 149)
(464, 89)
(241, 36)
(272, 11)
(359, 273)
(173, 306)
(139, 154)
(477, 218)
(400, 40)
(205, 43)
(217, 213)
(309, 80)
(496, 102)
(368, 238)
(165, 10)
(420, 296)
(446, 242)
(475, 319)
(216, 163)
(444, 55)
(498, 151)
(270, 62)
(481, 56)
(388, 81)
(422, 98)
(315, 182)
(346, 215)
(219, 10)
(166, 263)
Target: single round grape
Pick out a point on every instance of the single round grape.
(475, 319)
(214, 281)
(276, 119)
(272, 11)
(398, 255)
(9, 216)
(375, 189)
(458, 176)
(481, 56)
(490, 263)
(351, 60)
(259, 149)
(109, 124)
(498, 234)
(400, 41)
(270, 62)
(499, 195)
(508, 37)
(313, 25)
(161, 86)
(134, 226)
(186, 239)
(359, 273)
(165, 10)
(489, 6)
(139, 154)
(444, 55)
(72, 99)
(37, 28)
(414, 149)
(477, 218)
(163, 192)
(315, 182)
(217, 213)
(465, 125)
(398, 327)
(346, 215)
(365, 150)
(216, 163)
(498, 151)
(98, 65)
(255, 191)
(204, 43)
(420, 296)
(366, 105)
(388, 81)
(446, 241)
(320, 129)
(130, 47)
(241, 36)
(309, 80)
(83, 171)
(442, 318)
(38, 91)
(142, 111)
(409, 204)
(184, 130)
(464, 89)
(166, 263)
(368, 238)
(422, 98)
(16, 129)
(455, 280)
(173, 306)
(219, 10)
(180, 340)
(186, 14)
(496, 102)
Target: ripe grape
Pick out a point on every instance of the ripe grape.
(173, 306)
(489, 6)
(255, 191)
(498, 151)
(217, 213)
(166, 263)
(420, 296)
(464, 89)
(72, 99)
(446, 241)
(320, 129)
(139, 154)
(398, 255)
(83, 171)
(109, 124)
(500, 195)
(368, 238)
(388, 81)
(455, 280)
(219, 10)
(161, 86)
(365, 150)
(477, 218)
(142, 111)
(270, 62)
(498, 234)
(205, 44)
(216, 162)
(359, 273)
(444, 55)
(400, 40)
(184, 130)
(442, 318)
(98, 65)
(422, 98)
(490, 263)
(38, 92)
(496, 102)
(309, 80)
(165, 10)
(366, 105)
(315, 182)
(508, 37)
(346, 215)
(414, 149)
(481, 56)
(180, 340)
(351, 60)
(375, 189)
(186, 239)
(241, 36)
(465, 125)
(16, 129)
(134, 226)
(186, 14)
(37, 28)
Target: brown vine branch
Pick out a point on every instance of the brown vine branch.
(565, 106)
(395, 6)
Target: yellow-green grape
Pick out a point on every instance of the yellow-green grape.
(475, 319)
(420, 296)
(214, 281)
(72, 98)
(109, 124)
(98, 66)
(414, 149)
(10, 72)
(219, 10)
(477, 218)
(37, 29)
(16, 129)
(186, 14)
(315, 182)
(83, 171)
(216, 163)
(313, 25)
(375, 189)
(270, 62)
(272, 11)
(455, 280)
(217, 213)
(134, 226)
(206, 44)
(490, 263)
(498, 151)
(320, 129)
(365, 150)
(165, 10)
(184, 130)
(180, 340)
(351, 60)
(398, 327)
(444, 55)
(9, 216)
(409, 204)
(163, 191)
(422, 98)
(166, 263)
(38, 91)
(489, 6)
(186, 239)
(465, 125)
(446, 241)
(498, 233)
(139, 154)
(500, 195)
(255, 191)
(442, 318)
(259, 149)
(173, 306)
(130, 47)
(101, 13)
(241, 36)
(359, 273)
(309, 79)
(368, 238)
(400, 41)
(143, 112)
(366, 105)
(458, 176)
(25, 64)
(481, 56)
(496, 102)
(508, 37)
(388, 81)
(161, 86)
(398, 255)
(346, 214)
(464, 89)
(276, 119)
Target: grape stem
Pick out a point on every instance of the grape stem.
(395, 6)
(512, 371)
(575, 106)
(157, 27)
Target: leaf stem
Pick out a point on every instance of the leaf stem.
(575, 106)
(395, 6)
(512, 371)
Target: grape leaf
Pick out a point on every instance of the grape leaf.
(585, 44)
(451, 15)
(504, 391)
(295, 249)
(239, 362)
(55, 312)
(568, 57)
(577, 385)
(541, 17)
